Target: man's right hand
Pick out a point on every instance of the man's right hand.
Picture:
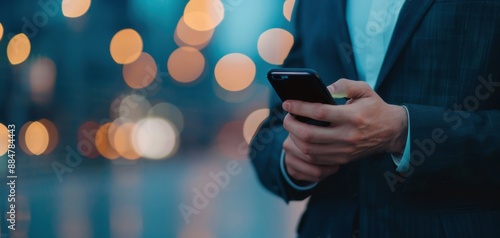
(299, 168)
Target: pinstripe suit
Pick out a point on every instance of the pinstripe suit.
(443, 64)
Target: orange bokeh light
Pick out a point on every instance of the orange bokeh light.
(288, 9)
(274, 45)
(186, 64)
(112, 130)
(75, 8)
(140, 73)
(235, 72)
(53, 135)
(22, 136)
(37, 138)
(187, 36)
(122, 141)
(4, 138)
(1, 31)
(18, 49)
(102, 143)
(126, 46)
(204, 15)
(252, 123)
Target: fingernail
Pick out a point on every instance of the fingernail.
(331, 88)
(286, 106)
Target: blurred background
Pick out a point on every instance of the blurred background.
(133, 117)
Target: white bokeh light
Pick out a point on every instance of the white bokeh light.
(155, 138)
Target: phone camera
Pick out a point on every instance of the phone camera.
(279, 77)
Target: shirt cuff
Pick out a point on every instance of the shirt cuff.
(403, 161)
(288, 179)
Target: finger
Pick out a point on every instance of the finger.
(323, 155)
(312, 134)
(306, 109)
(303, 131)
(324, 151)
(350, 89)
(292, 148)
(317, 111)
(301, 170)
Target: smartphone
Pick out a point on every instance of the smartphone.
(300, 84)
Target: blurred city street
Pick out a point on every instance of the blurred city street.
(132, 118)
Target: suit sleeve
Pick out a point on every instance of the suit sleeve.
(456, 148)
(267, 145)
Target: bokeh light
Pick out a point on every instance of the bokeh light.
(115, 108)
(155, 138)
(252, 123)
(187, 36)
(170, 112)
(102, 143)
(86, 139)
(186, 64)
(113, 127)
(126, 46)
(18, 49)
(230, 140)
(204, 15)
(4, 139)
(42, 78)
(235, 72)
(140, 73)
(123, 141)
(53, 135)
(288, 9)
(37, 138)
(1, 31)
(22, 138)
(133, 107)
(274, 45)
(75, 8)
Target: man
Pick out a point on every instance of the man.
(415, 151)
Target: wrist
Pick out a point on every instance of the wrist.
(398, 140)
(290, 180)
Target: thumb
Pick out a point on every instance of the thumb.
(345, 88)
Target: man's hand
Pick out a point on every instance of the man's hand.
(298, 166)
(366, 125)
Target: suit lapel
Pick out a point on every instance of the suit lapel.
(411, 14)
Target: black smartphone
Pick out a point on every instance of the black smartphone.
(300, 84)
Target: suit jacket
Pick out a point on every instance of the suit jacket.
(443, 63)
